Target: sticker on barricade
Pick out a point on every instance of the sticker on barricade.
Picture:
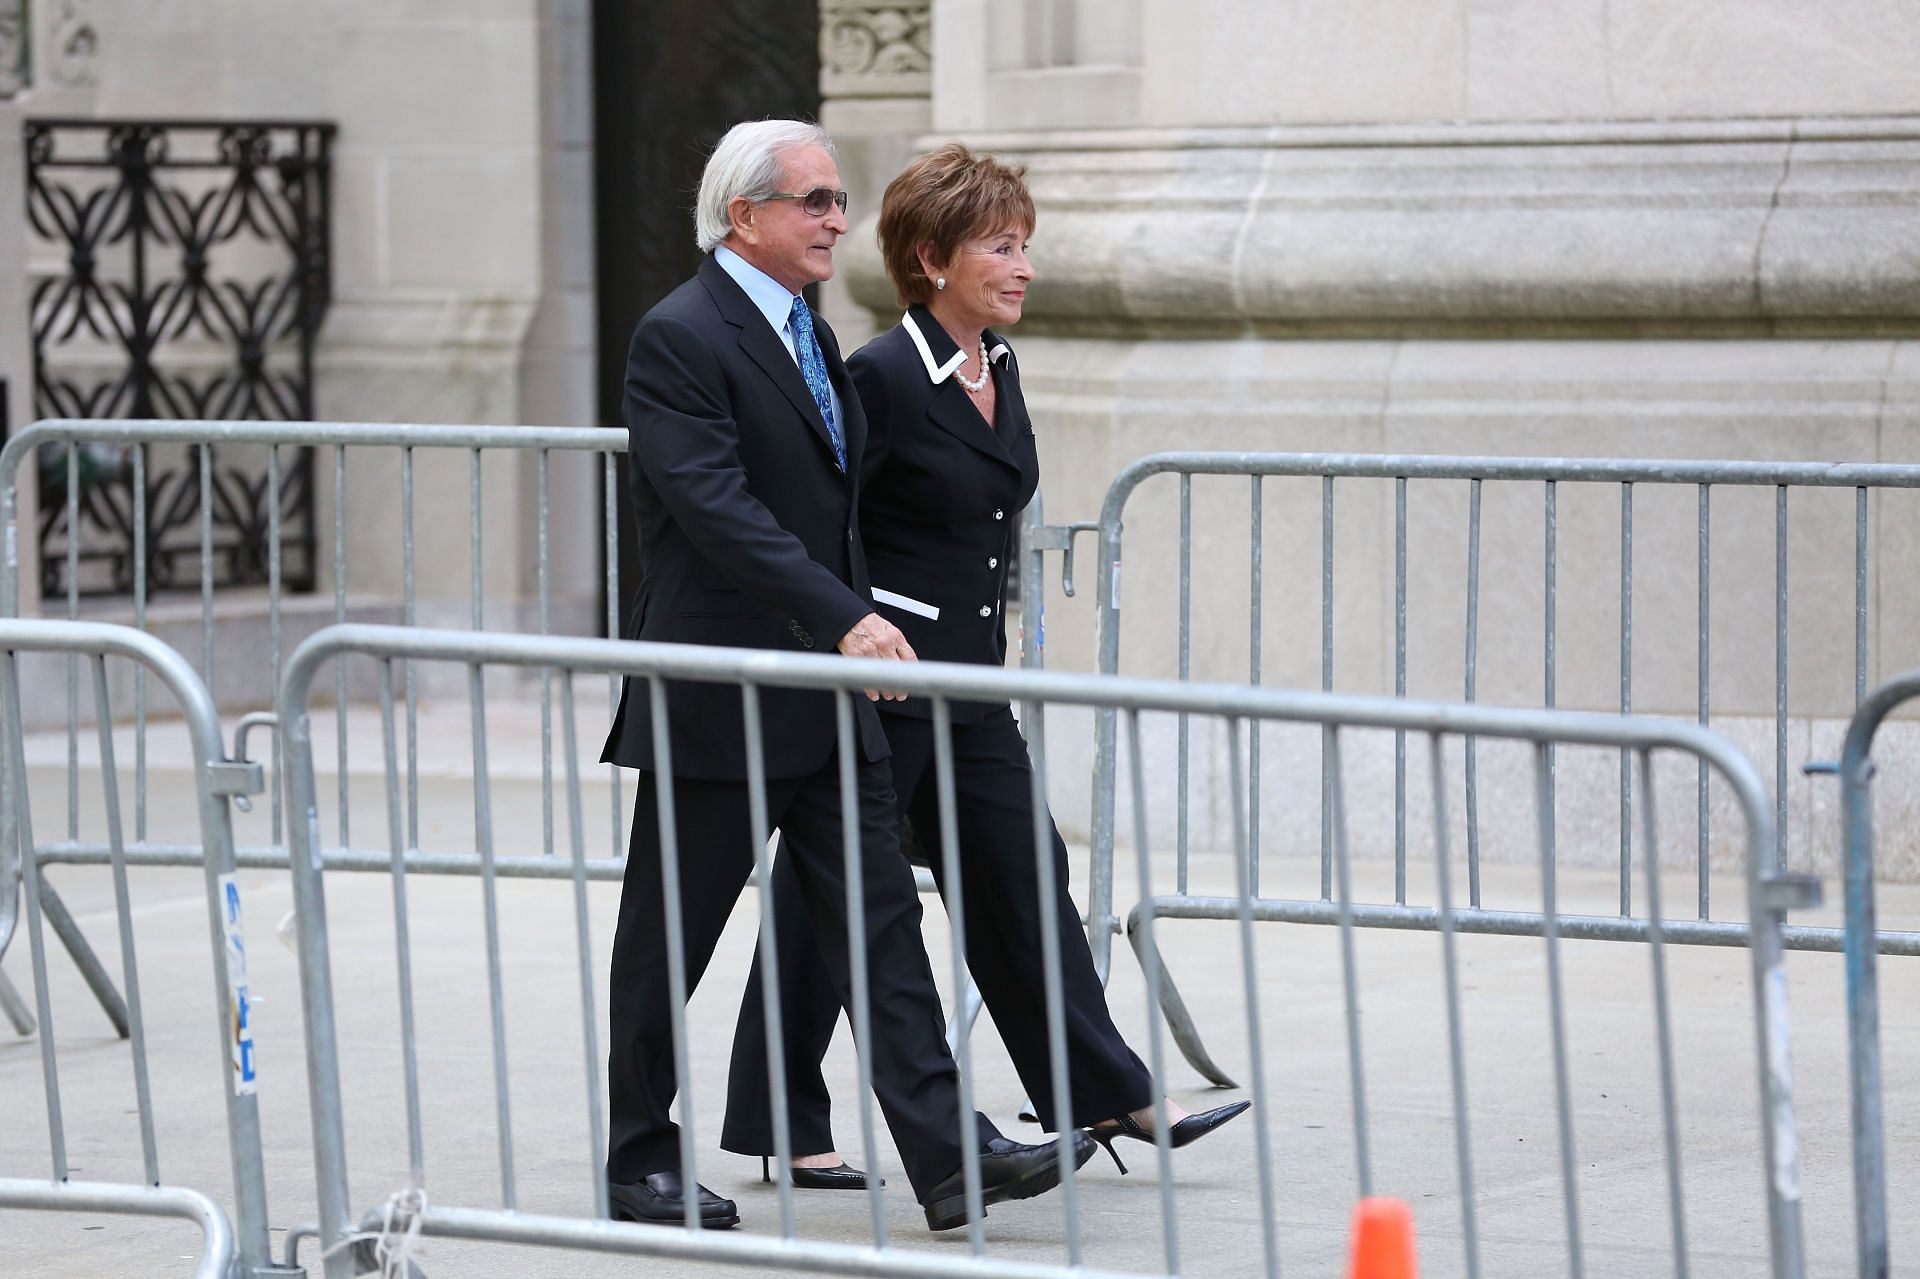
(239, 1020)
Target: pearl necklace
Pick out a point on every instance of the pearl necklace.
(981, 385)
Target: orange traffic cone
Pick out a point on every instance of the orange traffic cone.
(1383, 1241)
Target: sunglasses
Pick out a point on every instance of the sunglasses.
(816, 202)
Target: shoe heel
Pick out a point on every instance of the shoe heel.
(766, 1171)
(1105, 1142)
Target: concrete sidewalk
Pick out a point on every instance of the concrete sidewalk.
(1306, 1112)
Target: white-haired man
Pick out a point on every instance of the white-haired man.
(746, 438)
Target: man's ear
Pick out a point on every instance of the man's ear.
(740, 215)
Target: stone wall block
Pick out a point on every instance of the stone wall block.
(1564, 229)
(433, 237)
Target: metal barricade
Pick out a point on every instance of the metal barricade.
(343, 1218)
(242, 1249)
(1550, 473)
(285, 444)
(1863, 984)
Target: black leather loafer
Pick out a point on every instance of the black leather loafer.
(660, 1199)
(842, 1176)
(1008, 1170)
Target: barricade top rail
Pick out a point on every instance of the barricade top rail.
(386, 434)
(1866, 720)
(967, 682)
(112, 640)
(1573, 470)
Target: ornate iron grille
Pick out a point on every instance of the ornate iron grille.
(180, 270)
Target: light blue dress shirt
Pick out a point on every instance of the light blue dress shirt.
(773, 300)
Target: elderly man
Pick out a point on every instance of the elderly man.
(746, 438)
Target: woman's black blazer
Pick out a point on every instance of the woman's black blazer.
(940, 496)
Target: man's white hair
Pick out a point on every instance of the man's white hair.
(747, 163)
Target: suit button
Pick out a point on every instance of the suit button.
(993, 561)
(985, 611)
(999, 515)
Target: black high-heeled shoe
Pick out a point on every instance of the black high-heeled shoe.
(842, 1176)
(1183, 1133)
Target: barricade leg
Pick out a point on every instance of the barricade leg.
(15, 1007)
(67, 929)
(1185, 1033)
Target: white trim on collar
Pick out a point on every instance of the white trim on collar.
(938, 373)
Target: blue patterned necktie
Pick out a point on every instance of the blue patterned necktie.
(813, 367)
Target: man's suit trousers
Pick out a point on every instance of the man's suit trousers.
(913, 1072)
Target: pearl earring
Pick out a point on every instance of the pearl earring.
(940, 282)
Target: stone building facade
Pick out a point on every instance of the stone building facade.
(1640, 228)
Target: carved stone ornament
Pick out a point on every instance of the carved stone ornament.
(13, 47)
(872, 49)
(72, 47)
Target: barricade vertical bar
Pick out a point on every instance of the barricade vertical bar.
(546, 673)
(846, 744)
(1253, 678)
(610, 522)
(676, 939)
(340, 615)
(1702, 858)
(1456, 1037)
(1400, 687)
(410, 611)
(140, 670)
(1249, 973)
(1780, 677)
(1859, 595)
(1552, 521)
(1182, 800)
(1033, 720)
(402, 929)
(1626, 697)
(1863, 989)
(957, 930)
(273, 622)
(123, 912)
(1773, 1050)
(316, 977)
(19, 805)
(1557, 1012)
(206, 564)
(223, 927)
(769, 961)
(1326, 685)
(1663, 1019)
(1350, 973)
(73, 662)
(589, 1010)
(1156, 1032)
(490, 904)
(1470, 744)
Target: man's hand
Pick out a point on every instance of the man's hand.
(874, 636)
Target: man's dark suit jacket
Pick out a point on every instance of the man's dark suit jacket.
(941, 494)
(749, 531)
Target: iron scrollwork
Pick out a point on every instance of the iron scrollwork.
(193, 276)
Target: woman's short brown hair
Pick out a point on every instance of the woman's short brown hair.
(946, 197)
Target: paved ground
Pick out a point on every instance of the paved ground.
(1306, 1114)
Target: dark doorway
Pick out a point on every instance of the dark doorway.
(669, 77)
